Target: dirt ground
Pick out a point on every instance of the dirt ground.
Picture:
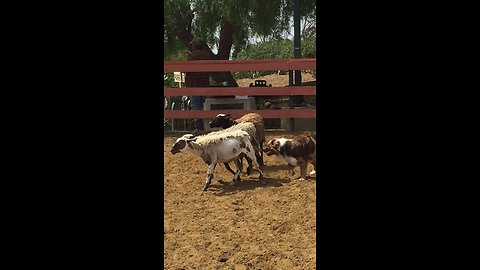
(276, 80)
(253, 226)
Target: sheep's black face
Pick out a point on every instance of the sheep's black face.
(222, 120)
(178, 146)
(181, 143)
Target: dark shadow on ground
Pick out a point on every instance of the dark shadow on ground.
(225, 188)
(279, 167)
(276, 167)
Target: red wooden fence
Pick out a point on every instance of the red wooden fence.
(240, 65)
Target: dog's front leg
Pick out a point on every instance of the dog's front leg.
(303, 171)
(290, 169)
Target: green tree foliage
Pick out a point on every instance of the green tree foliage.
(229, 24)
(274, 49)
(206, 18)
(169, 80)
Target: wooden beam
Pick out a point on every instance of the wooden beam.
(287, 113)
(241, 91)
(239, 65)
(303, 64)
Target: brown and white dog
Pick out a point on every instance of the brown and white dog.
(298, 151)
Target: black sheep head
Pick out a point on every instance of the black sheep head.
(181, 143)
(222, 120)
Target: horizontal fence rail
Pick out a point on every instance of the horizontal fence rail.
(240, 65)
(295, 113)
(241, 91)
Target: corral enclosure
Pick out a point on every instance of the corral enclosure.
(255, 226)
(277, 102)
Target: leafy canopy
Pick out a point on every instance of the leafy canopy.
(249, 18)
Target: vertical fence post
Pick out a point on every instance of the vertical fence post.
(296, 100)
(290, 101)
(297, 39)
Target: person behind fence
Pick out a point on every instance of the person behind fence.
(198, 79)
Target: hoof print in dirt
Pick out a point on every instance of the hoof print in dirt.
(223, 258)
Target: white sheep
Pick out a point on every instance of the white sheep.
(226, 121)
(219, 147)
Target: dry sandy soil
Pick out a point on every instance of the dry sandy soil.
(276, 80)
(254, 226)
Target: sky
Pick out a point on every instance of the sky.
(254, 40)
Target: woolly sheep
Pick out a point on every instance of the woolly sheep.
(219, 147)
(225, 121)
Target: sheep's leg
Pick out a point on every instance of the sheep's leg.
(239, 167)
(260, 154)
(251, 155)
(259, 158)
(227, 166)
(211, 167)
(236, 177)
(249, 167)
(240, 163)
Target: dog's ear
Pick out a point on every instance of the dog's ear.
(267, 149)
(276, 145)
(194, 133)
(272, 142)
(272, 147)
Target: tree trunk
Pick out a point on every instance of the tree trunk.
(224, 48)
(226, 40)
(186, 37)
